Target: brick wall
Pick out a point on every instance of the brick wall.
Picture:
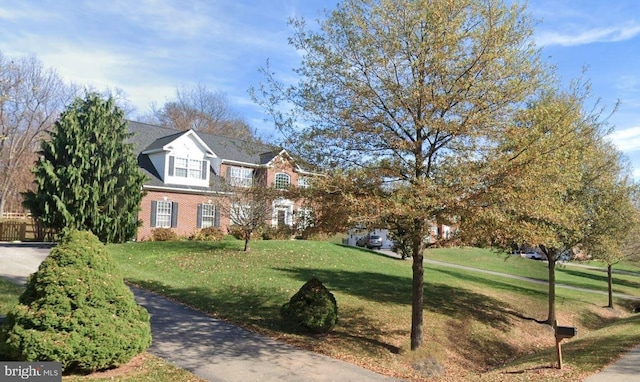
(187, 212)
(188, 203)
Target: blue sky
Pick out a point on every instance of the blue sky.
(149, 47)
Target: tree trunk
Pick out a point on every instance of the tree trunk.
(247, 238)
(610, 285)
(417, 299)
(551, 317)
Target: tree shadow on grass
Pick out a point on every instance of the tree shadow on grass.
(253, 309)
(439, 298)
(501, 308)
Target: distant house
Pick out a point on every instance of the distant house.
(355, 234)
(188, 174)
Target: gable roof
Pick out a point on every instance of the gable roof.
(148, 138)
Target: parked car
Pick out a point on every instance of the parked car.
(533, 255)
(370, 241)
(374, 242)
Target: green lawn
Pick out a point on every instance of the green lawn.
(474, 323)
(565, 274)
(9, 294)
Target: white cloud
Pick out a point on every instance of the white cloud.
(627, 140)
(610, 34)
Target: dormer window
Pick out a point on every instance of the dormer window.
(282, 181)
(188, 168)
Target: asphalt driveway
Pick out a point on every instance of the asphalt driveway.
(19, 260)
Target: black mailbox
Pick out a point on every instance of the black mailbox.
(566, 332)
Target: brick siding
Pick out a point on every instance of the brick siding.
(187, 212)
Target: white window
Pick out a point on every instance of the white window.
(187, 168)
(304, 218)
(240, 176)
(163, 214)
(282, 181)
(207, 215)
(303, 182)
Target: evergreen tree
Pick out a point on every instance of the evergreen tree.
(87, 176)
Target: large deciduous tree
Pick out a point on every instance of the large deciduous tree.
(87, 176)
(31, 98)
(411, 93)
(201, 109)
(562, 183)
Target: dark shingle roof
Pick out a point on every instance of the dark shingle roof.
(150, 137)
(146, 137)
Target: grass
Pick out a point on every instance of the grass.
(566, 274)
(474, 324)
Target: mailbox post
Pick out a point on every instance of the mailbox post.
(563, 332)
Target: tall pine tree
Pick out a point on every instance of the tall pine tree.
(87, 176)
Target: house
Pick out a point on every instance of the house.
(354, 234)
(189, 173)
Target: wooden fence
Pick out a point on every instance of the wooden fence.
(24, 230)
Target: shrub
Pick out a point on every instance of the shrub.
(164, 234)
(313, 308)
(238, 233)
(77, 310)
(278, 233)
(209, 234)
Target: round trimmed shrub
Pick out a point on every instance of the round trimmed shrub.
(313, 309)
(164, 234)
(209, 234)
(77, 310)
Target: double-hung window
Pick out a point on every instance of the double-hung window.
(187, 168)
(164, 214)
(240, 176)
(208, 216)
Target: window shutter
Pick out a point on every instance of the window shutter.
(216, 218)
(205, 169)
(171, 164)
(199, 222)
(154, 211)
(174, 214)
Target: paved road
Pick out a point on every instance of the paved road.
(19, 260)
(219, 352)
(209, 348)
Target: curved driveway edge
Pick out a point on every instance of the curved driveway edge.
(207, 347)
(217, 351)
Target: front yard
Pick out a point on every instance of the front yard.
(476, 326)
